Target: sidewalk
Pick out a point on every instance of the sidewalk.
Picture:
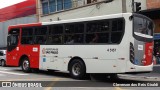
(156, 65)
(152, 76)
(154, 73)
(141, 77)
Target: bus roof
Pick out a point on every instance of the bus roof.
(87, 18)
(70, 20)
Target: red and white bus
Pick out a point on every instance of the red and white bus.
(109, 44)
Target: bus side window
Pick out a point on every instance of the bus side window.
(69, 39)
(117, 31)
(49, 40)
(55, 34)
(74, 33)
(95, 38)
(57, 39)
(27, 36)
(40, 35)
(97, 32)
(40, 40)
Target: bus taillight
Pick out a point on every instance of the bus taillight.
(131, 52)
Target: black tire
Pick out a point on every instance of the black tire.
(25, 65)
(114, 77)
(77, 69)
(3, 63)
(51, 71)
(35, 70)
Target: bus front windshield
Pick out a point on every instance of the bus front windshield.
(12, 39)
(143, 28)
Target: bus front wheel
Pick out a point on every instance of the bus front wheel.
(77, 69)
(25, 65)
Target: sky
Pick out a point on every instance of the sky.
(5, 3)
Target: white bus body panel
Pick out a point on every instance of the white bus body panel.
(96, 58)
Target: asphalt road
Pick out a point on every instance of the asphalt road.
(62, 81)
(156, 69)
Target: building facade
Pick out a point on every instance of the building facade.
(153, 7)
(53, 10)
(20, 13)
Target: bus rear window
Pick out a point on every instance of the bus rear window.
(143, 26)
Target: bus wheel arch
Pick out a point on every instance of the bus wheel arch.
(77, 68)
(25, 63)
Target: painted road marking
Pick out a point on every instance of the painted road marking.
(4, 69)
(13, 73)
(53, 83)
(118, 88)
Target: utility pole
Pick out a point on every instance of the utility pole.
(133, 6)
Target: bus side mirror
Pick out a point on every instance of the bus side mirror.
(131, 18)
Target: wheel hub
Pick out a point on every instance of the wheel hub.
(76, 69)
(25, 65)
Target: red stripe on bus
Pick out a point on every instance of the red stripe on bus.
(148, 54)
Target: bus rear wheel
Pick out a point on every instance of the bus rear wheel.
(25, 65)
(77, 69)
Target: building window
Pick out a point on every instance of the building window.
(45, 8)
(59, 5)
(51, 6)
(88, 1)
(94, 1)
(67, 4)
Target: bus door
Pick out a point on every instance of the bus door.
(12, 43)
